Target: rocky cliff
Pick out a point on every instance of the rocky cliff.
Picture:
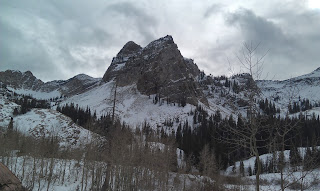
(20, 80)
(159, 68)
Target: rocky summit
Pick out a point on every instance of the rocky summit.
(159, 68)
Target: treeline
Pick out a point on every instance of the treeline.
(27, 103)
(211, 130)
(306, 160)
(77, 114)
(268, 107)
(86, 119)
(302, 105)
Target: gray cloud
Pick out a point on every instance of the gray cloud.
(290, 50)
(59, 39)
(213, 9)
(137, 18)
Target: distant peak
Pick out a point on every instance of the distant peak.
(82, 77)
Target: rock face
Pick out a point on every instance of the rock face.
(8, 181)
(27, 81)
(21, 80)
(159, 68)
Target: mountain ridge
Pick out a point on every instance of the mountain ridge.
(27, 83)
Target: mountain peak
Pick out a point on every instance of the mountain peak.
(167, 38)
(129, 48)
(28, 73)
(19, 80)
(159, 68)
(163, 41)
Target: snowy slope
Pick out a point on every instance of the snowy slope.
(286, 91)
(47, 123)
(6, 109)
(36, 94)
(131, 106)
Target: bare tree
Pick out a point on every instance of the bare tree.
(247, 136)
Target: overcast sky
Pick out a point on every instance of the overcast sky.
(60, 39)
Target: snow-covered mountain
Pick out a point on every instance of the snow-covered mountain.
(157, 84)
(26, 83)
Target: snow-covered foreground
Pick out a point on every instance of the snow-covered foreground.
(69, 175)
(65, 175)
(293, 178)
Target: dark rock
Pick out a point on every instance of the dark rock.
(159, 68)
(18, 80)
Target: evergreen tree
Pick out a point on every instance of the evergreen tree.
(241, 169)
(250, 171)
(308, 159)
(294, 156)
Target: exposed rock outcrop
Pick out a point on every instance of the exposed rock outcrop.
(159, 68)
(20, 80)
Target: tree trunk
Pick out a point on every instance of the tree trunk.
(258, 173)
(282, 165)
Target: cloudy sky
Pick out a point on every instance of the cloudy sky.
(59, 39)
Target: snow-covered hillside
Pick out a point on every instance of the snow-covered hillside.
(26, 83)
(6, 109)
(47, 123)
(295, 89)
(36, 94)
(131, 106)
